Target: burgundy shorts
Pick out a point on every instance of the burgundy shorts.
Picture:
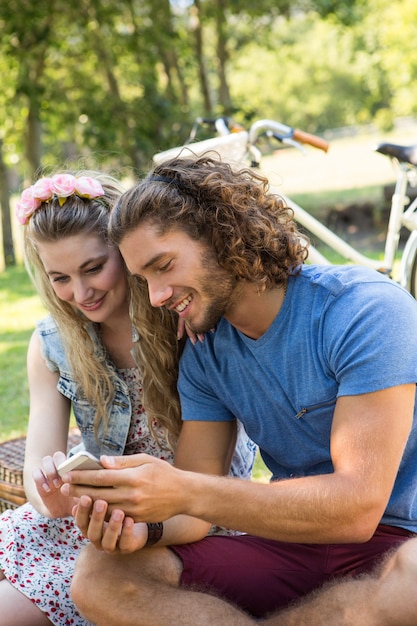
(262, 575)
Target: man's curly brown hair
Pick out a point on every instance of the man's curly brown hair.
(251, 230)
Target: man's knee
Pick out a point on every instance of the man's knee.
(396, 598)
(406, 557)
(103, 582)
(133, 572)
(86, 569)
(402, 563)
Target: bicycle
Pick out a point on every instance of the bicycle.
(238, 146)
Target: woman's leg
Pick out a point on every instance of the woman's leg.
(17, 609)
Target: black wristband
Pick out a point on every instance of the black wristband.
(155, 531)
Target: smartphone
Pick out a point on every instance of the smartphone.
(79, 461)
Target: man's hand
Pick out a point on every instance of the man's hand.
(143, 487)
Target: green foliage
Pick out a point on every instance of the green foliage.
(315, 79)
(112, 81)
(347, 13)
(107, 83)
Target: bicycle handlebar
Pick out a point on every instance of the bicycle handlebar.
(312, 140)
(284, 132)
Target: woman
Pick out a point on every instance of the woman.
(80, 359)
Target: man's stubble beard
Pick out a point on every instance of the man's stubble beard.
(221, 292)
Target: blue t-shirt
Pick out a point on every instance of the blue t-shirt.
(341, 331)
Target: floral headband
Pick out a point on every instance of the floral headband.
(61, 186)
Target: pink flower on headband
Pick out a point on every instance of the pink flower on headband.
(42, 189)
(87, 187)
(63, 185)
(60, 186)
(26, 206)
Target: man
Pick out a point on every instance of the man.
(319, 365)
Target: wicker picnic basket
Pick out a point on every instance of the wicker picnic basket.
(12, 454)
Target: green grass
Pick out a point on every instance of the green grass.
(370, 243)
(260, 472)
(20, 308)
(318, 203)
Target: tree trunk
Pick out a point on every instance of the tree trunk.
(34, 137)
(165, 41)
(8, 246)
(222, 57)
(198, 35)
(108, 65)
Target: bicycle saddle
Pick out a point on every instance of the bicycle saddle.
(404, 154)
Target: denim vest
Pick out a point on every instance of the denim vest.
(113, 440)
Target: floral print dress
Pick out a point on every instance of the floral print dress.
(38, 554)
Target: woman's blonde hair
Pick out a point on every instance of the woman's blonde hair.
(156, 353)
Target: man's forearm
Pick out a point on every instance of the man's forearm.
(296, 510)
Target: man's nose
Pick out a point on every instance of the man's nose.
(159, 294)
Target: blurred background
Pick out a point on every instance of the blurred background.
(106, 83)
